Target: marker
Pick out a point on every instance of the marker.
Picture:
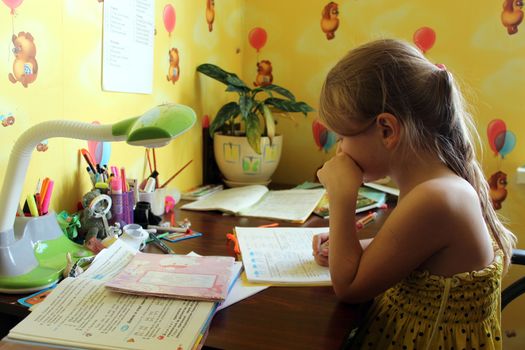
(47, 198)
(31, 203)
(359, 224)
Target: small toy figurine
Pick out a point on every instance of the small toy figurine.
(94, 216)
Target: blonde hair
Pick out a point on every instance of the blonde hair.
(394, 77)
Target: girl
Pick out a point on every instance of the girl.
(439, 256)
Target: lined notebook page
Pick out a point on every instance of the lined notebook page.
(281, 255)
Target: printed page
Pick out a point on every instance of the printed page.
(82, 312)
(281, 255)
(128, 37)
(231, 200)
(109, 261)
(291, 205)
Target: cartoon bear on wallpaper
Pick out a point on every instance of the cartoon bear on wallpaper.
(512, 15)
(210, 13)
(264, 73)
(497, 188)
(174, 70)
(25, 67)
(330, 20)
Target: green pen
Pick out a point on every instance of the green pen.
(149, 240)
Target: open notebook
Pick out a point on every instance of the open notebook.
(281, 255)
(293, 205)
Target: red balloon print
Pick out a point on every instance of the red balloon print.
(257, 38)
(495, 130)
(13, 4)
(424, 38)
(169, 18)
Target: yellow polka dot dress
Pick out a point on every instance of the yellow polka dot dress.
(426, 311)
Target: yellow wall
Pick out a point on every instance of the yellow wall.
(68, 39)
(474, 45)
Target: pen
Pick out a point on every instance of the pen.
(160, 244)
(89, 160)
(359, 224)
(162, 235)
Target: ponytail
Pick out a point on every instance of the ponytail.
(456, 149)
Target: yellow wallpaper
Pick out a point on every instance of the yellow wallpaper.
(474, 45)
(68, 39)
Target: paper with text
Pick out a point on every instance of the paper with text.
(82, 312)
(127, 56)
(292, 205)
(281, 255)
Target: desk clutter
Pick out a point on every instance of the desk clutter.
(122, 298)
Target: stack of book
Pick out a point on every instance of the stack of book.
(167, 302)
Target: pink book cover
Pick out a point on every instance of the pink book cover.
(175, 276)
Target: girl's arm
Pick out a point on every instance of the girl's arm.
(415, 230)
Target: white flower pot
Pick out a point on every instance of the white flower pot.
(240, 165)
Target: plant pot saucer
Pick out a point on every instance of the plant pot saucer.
(231, 183)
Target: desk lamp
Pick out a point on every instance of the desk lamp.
(33, 250)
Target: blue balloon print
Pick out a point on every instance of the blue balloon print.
(331, 139)
(508, 145)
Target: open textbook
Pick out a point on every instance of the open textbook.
(281, 255)
(367, 199)
(293, 205)
(81, 312)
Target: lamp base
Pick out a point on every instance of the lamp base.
(49, 246)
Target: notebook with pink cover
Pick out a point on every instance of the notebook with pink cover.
(175, 276)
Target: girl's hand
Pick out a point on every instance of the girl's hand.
(320, 248)
(341, 176)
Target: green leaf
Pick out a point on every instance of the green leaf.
(270, 123)
(288, 106)
(245, 104)
(219, 74)
(213, 72)
(253, 132)
(280, 90)
(227, 113)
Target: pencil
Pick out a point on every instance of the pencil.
(174, 175)
(359, 224)
(149, 160)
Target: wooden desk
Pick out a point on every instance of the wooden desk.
(276, 318)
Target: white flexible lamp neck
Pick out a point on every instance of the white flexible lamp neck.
(21, 155)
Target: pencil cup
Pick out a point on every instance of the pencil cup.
(157, 198)
(122, 208)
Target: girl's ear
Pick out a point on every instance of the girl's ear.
(390, 128)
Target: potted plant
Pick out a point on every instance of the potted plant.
(247, 149)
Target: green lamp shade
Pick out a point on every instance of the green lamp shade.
(158, 126)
